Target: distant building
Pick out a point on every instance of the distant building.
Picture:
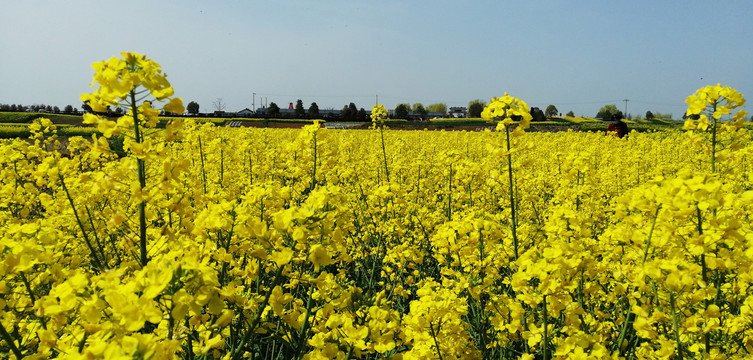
(458, 112)
(245, 111)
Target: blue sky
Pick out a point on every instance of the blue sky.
(576, 55)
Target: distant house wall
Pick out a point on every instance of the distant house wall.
(458, 112)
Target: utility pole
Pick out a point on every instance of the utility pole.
(626, 101)
(253, 103)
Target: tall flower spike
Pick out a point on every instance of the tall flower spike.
(378, 117)
(119, 80)
(712, 102)
(378, 114)
(116, 78)
(707, 106)
(505, 110)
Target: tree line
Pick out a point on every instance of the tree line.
(68, 109)
(351, 112)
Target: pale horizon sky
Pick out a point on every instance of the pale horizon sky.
(576, 55)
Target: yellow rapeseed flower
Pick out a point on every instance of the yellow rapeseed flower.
(506, 110)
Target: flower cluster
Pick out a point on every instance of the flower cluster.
(378, 114)
(715, 101)
(119, 81)
(506, 110)
(118, 77)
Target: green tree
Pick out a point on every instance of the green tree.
(551, 111)
(438, 108)
(570, 113)
(192, 107)
(345, 113)
(401, 111)
(649, 115)
(299, 110)
(607, 112)
(68, 109)
(314, 109)
(475, 107)
(349, 112)
(537, 114)
(273, 109)
(418, 109)
(353, 110)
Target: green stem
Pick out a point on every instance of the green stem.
(189, 345)
(704, 272)
(514, 225)
(88, 243)
(236, 352)
(581, 282)
(141, 172)
(545, 347)
(82, 343)
(170, 320)
(650, 235)
(384, 153)
(623, 331)
(713, 141)
(313, 171)
(222, 164)
(250, 170)
(675, 325)
(525, 326)
(4, 333)
(434, 336)
(33, 298)
(96, 238)
(449, 196)
(203, 170)
(304, 328)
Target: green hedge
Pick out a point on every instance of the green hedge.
(24, 117)
(456, 122)
(8, 131)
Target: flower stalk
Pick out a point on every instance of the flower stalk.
(714, 102)
(378, 118)
(141, 174)
(505, 111)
